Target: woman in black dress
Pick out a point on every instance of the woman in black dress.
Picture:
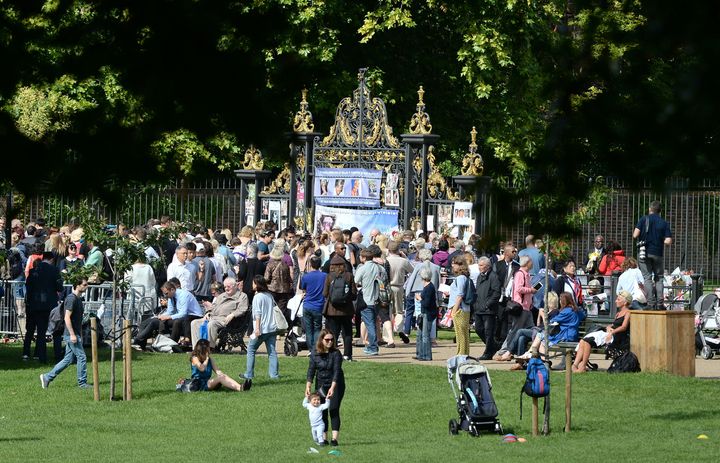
(616, 336)
(326, 369)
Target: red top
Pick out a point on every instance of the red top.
(611, 262)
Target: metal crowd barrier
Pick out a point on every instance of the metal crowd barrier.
(131, 305)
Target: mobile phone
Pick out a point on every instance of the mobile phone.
(538, 285)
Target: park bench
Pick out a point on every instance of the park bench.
(562, 348)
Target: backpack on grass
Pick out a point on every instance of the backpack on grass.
(537, 381)
(627, 362)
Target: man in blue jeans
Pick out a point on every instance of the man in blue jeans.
(655, 232)
(313, 284)
(73, 343)
(365, 276)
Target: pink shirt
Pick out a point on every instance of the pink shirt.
(522, 291)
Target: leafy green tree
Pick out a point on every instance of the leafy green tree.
(104, 93)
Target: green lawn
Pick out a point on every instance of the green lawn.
(390, 413)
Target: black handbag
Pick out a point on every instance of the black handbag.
(188, 385)
(625, 363)
(513, 308)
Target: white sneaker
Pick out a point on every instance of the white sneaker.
(44, 382)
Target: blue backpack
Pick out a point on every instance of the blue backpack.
(537, 381)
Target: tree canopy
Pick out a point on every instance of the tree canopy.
(98, 94)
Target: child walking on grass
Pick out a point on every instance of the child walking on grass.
(202, 367)
(315, 409)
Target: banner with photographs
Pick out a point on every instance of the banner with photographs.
(462, 213)
(385, 220)
(347, 187)
(392, 194)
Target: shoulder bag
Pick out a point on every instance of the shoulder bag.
(280, 320)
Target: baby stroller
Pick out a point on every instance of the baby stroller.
(473, 395)
(707, 325)
(295, 337)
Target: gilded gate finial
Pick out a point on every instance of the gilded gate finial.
(420, 121)
(303, 121)
(473, 163)
(253, 159)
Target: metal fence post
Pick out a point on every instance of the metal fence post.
(697, 289)
(613, 290)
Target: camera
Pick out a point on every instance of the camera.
(641, 251)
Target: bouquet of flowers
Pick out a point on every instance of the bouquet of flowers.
(592, 258)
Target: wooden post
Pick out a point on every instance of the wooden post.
(93, 337)
(535, 431)
(546, 401)
(568, 388)
(124, 359)
(127, 343)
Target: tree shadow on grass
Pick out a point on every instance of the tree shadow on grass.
(685, 416)
(20, 439)
(11, 357)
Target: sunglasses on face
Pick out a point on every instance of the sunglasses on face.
(328, 339)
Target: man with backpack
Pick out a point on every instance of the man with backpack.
(366, 277)
(400, 268)
(340, 292)
(16, 261)
(73, 317)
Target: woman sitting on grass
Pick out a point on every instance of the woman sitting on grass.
(202, 367)
(616, 336)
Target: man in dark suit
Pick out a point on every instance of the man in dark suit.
(505, 269)
(43, 286)
(595, 256)
(247, 269)
(487, 287)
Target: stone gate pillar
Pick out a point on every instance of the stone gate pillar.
(473, 185)
(301, 148)
(252, 173)
(419, 142)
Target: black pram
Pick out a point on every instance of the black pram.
(475, 402)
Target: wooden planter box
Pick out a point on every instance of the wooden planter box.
(664, 341)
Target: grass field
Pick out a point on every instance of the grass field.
(390, 413)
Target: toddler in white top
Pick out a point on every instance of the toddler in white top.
(315, 409)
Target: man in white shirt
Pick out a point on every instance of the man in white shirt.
(178, 268)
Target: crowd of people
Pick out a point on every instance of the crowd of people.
(356, 291)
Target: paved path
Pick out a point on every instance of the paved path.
(403, 353)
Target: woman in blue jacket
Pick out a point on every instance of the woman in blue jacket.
(568, 321)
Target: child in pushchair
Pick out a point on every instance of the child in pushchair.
(707, 324)
(473, 395)
(295, 337)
